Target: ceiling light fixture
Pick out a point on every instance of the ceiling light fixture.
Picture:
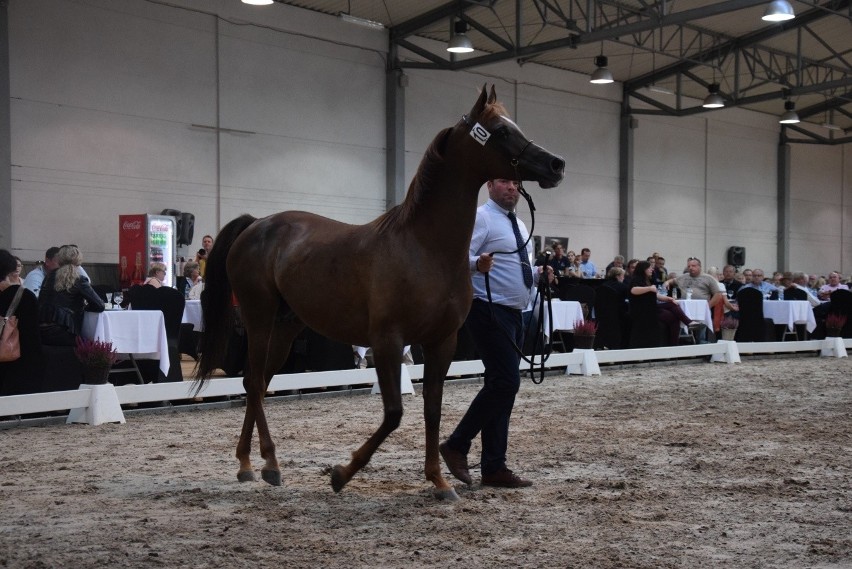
(601, 75)
(460, 43)
(258, 2)
(361, 21)
(778, 11)
(713, 100)
(790, 116)
(660, 89)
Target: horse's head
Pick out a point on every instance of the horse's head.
(507, 152)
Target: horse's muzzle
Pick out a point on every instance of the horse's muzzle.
(557, 170)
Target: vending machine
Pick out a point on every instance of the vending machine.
(144, 239)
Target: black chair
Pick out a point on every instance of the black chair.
(646, 330)
(104, 291)
(841, 303)
(611, 317)
(753, 326)
(582, 293)
(171, 303)
(24, 375)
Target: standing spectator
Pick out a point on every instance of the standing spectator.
(587, 268)
(496, 329)
(573, 270)
(65, 295)
(832, 285)
(36, 276)
(203, 253)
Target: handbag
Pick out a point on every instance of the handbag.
(10, 342)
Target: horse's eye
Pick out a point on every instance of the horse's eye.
(502, 132)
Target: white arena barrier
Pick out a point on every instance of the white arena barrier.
(96, 404)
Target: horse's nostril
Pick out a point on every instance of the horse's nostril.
(557, 164)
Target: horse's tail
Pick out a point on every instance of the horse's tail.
(216, 303)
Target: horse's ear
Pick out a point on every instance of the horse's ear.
(492, 98)
(480, 103)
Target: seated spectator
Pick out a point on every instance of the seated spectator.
(660, 273)
(14, 277)
(628, 270)
(757, 282)
(615, 281)
(668, 312)
(732, 285)
(573, 269)
(36, 276)
(7, 269)
(156, 274)
(64, 296)
(832, 285)
(748, 276)
(587, 267)
(617, 262)
(192, 272)
(800, 281)
(812, 280)
(702, 285)
(559, 261)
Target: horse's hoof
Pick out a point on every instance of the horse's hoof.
(449, 495)
(246, 476)
(338, 478)
(272, 477)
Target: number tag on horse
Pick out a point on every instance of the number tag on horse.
(479, 134)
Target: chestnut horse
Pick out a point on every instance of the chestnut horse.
(401, 279)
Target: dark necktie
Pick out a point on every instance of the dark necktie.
(522, 251)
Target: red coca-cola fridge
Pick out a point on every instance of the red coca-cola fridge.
(144, 239)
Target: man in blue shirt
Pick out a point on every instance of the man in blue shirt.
(496, 329)
(760, 284)
(586, 266)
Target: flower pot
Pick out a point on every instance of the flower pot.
(584, 342)
(832, 332)
(729, 333)
(95, 375)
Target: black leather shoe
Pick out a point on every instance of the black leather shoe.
(505, 479)
(456, 462)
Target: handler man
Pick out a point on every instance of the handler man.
(511, 279)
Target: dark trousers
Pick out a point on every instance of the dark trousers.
(671, 315)
(491, 409)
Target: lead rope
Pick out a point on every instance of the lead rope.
(542, 294)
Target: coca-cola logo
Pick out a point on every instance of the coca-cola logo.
(131, 225)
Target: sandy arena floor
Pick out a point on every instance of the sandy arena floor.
(704, 465)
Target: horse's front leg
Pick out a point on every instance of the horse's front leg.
(437, 361)
(388, 359)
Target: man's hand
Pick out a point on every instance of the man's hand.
(484, 263)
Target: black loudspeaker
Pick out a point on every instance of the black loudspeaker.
(736, 256)
(186, 229)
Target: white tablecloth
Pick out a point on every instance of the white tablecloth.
(138, 332)
(697, 310)
(790, 312)
(192, 315)
(565, 313)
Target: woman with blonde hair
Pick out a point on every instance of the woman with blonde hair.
(65, 295)
(156, 274)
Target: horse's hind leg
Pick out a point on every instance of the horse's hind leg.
(388, 360)
(268, 350)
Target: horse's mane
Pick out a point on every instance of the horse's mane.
(430, 165)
